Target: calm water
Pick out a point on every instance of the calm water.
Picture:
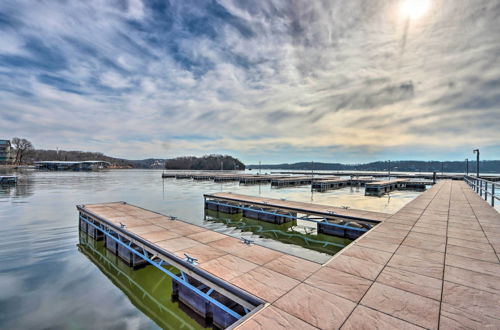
(50, 277)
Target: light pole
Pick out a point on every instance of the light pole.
(478, 187)
(476, 151)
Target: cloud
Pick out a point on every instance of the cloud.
(275, 78)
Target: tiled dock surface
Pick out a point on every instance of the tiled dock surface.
(299, 206)
(434, 264)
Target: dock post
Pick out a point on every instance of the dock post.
(485, 191)
(480, 188)
(493, 194)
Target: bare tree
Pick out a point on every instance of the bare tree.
(22, 146)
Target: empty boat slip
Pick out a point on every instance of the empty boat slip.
(337, 221)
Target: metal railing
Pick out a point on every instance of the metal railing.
(158, 262)
(486, 189)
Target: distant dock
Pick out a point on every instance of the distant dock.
(323, 184)
(223, 177)
(319, 183)
(443, 176)
(379, 188)
(297, 180)
(8, 179)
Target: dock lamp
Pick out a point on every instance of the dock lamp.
(476, 151)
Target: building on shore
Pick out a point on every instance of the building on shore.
(6, 152)
(88, 165)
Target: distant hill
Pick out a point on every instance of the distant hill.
(209, 162)
(486, 166)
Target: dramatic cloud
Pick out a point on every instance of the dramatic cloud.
(263, 80)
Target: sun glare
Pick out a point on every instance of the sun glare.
(414, 9)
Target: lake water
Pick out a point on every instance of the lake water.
(52, 277)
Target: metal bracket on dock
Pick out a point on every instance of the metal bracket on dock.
(191, 260)
(345, 207)
(172, 218)
(123, 225)
(246, 241)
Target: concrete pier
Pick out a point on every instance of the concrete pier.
(435, 264)
(432, 265)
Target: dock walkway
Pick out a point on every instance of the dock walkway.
(434, 264)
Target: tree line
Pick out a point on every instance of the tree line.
(208, 162)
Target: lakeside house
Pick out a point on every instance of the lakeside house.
(6, 152)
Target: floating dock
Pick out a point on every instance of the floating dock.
(327, 184)
(139, 236)
(379, 188)
(380, 175)
(434, 264)
(297, 181)
(337, 221)
(8, 179)
(223, 176)
(253, 179)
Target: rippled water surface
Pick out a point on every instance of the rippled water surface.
(50, 277)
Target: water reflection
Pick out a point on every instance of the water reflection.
(23, 188)
(302, 235)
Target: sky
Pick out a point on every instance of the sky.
(273, 81)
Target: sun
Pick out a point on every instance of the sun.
(414, 9)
